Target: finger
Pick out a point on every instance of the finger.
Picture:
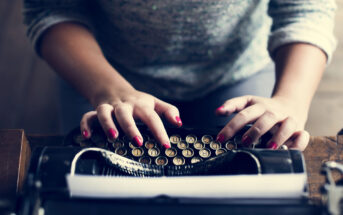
(154, 122)
(123, 113)
(234, 105)
(104, 113)
(244, 117)
(260, 127)
(286, 130)
(300, 140)
(170, 112)
(85, 123)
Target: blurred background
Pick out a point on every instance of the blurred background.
(28, 93)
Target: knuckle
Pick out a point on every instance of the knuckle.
(243, 115)
(291, 122)
(271, 115)
(121, 108)
(102, 107)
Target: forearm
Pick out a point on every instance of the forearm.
(75, 55)
(299, 68)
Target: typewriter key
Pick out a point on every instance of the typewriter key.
(206, 139)
(137, 152)
(171, 152)
(199, 145)
(191, 138)
(230, 145)
(161, 161)
(145, 160)
(205, 153)
(131, 145)
(182, 145)
(215, 145)
(117, 144)
(188, 153)
(220, 151)
(149, 144)
(154, 152)
(195, 160)
(126, 139)
(178, 161)
(121, 151)
(175, 139)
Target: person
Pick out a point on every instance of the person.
(146, 60)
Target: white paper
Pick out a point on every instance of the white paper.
(241, 186)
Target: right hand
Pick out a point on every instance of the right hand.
(128, 106)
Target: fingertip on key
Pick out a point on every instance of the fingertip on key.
(85, 133)
(178, 121)
(138, 140)
(220, 138)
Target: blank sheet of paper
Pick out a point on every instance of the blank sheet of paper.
(241, 186)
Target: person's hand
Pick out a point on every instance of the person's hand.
(285, 119)
(128, 106)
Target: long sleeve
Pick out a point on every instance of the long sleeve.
(303, 21)
(40, 15)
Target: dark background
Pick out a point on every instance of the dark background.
(28, 94)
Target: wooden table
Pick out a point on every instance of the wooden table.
(15, 153)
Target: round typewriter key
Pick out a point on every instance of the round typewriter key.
(215, 145)
(174, 139)
(191, 138)
(149, 144)
(117, 144)
(207, 139)
(182, 145)
(195, 160)
(137, 152)
(154, 152)
(205, 153)
(199, 145)
(121, 151)
(145, 160)
(178, 161)
(187, 153)
(230, 145)
(220, 151)
(161, 161)
(131, 145)
(171, 152)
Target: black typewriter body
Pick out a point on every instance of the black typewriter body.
(46, 188)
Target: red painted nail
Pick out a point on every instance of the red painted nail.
(221, 107)
(273, 145)
(178, 120)
(166, 145)
(220, 138)
(138, 141)
(246, 140)
(85, 133)
(112, 133)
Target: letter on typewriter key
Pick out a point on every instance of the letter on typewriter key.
(137, 152)
(161, 161)
(191, 138)
(174, 139)
(205, 153)
(154, 152)
(215, 145)
(207, 139)
(220, 151)
(230, 145)
(149, 144)
(121, 151)
(171, 152)
(182, 145)
(178, 161)
(188, 153)
(199, 145)
(117, 144)
(145, 160)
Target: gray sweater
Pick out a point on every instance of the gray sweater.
(183, 49)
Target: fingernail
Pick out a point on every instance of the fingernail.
(85, 133)
(138, 141)
(166, 145)
(178, 120)
(221, 107)
(246, 140)
(112, 133)
(220, 138)
(272, 145)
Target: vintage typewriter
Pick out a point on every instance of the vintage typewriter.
(196, 175)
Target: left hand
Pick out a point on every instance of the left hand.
(284, 118)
